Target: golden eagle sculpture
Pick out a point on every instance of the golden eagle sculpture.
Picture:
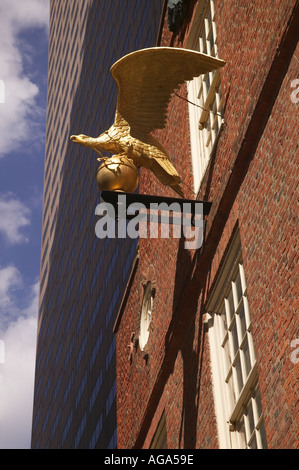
(145, 81)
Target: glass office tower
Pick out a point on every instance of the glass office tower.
(82, 278)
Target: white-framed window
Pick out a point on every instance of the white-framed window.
(235, 380)
(204, 92)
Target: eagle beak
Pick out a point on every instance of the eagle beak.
(80, 139)
(76, 138)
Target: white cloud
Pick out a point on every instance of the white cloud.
(14, 215)
(26, 13)
(19, 113)
(17, 372)
(16, 384)
(10, 279)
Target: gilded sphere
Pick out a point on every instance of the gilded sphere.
(118, 173)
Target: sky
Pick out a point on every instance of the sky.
(24, 28)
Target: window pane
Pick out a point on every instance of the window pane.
(207, 80)
(219, 94)
(246, 358)
(227, 351)
(238, 287)
(240, 428)
(211, 40)
(242, 320)
(235, 338)
(253, 444)
(231, 304)
(203, 37)
(231, 388)
(263, 436)
(258, 402)
(213, 106)
(208, 125)
(216, 125)
(250, 417)
(239, 374)
(223, 316)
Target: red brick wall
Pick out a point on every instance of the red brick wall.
(270, 240)
(252, 182)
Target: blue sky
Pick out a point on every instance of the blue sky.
(23, 70)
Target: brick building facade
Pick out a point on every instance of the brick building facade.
(219, 364)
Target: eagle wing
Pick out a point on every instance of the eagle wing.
(146, 80)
